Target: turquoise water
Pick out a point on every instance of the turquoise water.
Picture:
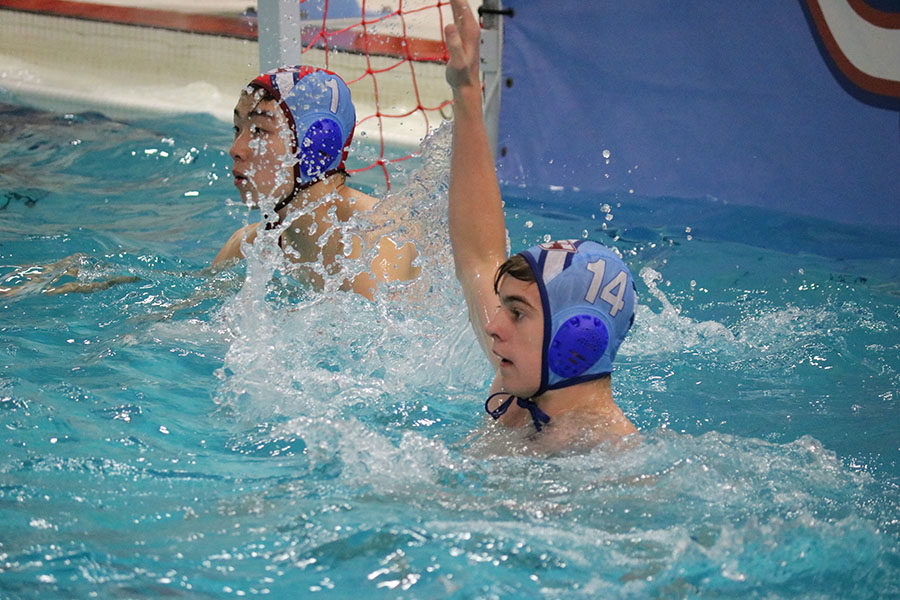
(195, 434)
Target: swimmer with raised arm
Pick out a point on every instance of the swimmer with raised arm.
(292, 130)
(550, 319)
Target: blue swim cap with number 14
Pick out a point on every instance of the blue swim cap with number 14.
(588, 299)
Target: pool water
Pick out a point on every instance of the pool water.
(192, 433)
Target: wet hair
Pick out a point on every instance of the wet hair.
(517, 267)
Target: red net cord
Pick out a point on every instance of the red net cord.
(391, 56)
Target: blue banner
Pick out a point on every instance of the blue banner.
(768, 103)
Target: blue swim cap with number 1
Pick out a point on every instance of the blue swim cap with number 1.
(321, 114)
(588, 299)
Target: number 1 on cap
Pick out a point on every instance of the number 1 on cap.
(333, 86)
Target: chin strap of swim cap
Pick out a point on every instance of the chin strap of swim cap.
(538, 417)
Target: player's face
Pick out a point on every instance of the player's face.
(517, 331)
(263, 165)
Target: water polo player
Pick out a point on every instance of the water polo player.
(292, 132)
(564, 307)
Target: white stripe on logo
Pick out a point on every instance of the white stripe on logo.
(284, 82)
(871, 49)
(553, 265)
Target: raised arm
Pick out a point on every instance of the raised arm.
(477, 225)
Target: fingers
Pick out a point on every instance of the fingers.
(460, 10)
(462, 40)
(454, 47)
(451, 37)
(463, 18)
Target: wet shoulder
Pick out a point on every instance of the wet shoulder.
(359, 201)
(232, 249)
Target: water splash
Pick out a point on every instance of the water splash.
(313, 360)
(668, 331)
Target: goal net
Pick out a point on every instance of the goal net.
(391, 53)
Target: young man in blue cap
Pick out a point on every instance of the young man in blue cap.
(292, 130)
(551, 318)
